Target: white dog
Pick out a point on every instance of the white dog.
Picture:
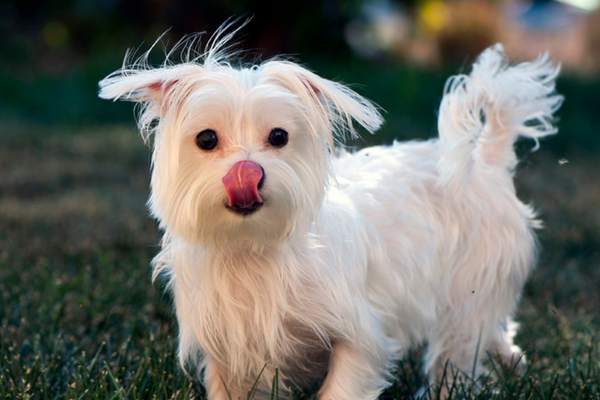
(287, 260)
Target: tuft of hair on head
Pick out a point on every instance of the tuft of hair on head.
(330, 104)
(150, 87)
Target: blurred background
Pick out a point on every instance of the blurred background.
(78, 313)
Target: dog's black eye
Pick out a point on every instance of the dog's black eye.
(207, 139)
(278, 137)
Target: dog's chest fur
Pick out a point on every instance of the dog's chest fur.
(249, 313)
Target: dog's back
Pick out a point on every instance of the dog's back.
(457, 242)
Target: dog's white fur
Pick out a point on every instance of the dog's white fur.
(356, 257)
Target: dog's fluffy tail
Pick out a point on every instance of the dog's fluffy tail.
(483, 113)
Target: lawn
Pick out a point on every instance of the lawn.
(80, 318)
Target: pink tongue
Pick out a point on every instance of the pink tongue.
(241, 184)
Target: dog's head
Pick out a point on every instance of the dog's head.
(241, 155)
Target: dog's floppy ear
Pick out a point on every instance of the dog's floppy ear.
(149, 87)
(140, 86)
(145, 85)
(335, 104)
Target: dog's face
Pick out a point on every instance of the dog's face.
(241, 156)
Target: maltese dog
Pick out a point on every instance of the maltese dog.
(295, 263)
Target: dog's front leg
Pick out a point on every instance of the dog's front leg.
(353, 374)
(215, 383)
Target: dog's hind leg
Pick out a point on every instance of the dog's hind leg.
(504, 348)
(455, 351)
(354, 374)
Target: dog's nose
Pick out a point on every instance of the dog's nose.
(242, 185)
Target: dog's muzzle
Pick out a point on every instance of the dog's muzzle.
(242, 185)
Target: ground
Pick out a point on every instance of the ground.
(80, 317)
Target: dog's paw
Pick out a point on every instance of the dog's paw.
(514, 359)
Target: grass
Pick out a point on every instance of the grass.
(79, 317)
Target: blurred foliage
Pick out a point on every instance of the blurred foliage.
(75, 30)
(593, 36)
(465, 36)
